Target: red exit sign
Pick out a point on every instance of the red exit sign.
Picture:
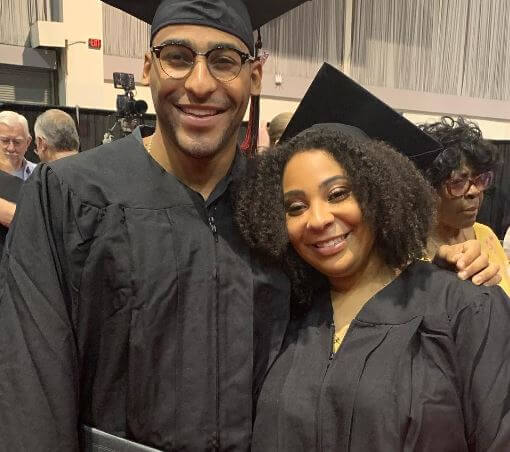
(94, 43)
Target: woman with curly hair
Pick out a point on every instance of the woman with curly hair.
(384, 351)
(460, 174)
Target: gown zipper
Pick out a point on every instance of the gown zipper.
(324, 375)
(212, 226)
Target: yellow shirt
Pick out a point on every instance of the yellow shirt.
(491, 245)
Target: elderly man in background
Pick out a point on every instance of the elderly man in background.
(55, 135)
(14, 141)
(277, 126)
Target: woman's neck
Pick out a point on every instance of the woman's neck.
(372, 274)
(447, 235)
(348, 299)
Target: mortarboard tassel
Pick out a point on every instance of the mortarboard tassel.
(249, 144)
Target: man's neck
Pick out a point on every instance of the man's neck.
(200, 174)
(56, 155)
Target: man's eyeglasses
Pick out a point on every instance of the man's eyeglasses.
(177, 61)
(459, 186)
(16, 142)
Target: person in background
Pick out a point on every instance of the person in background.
(460, 174)
(277, 126)
(55, 136)
(263, 143)
(14, 168)
(14, 141)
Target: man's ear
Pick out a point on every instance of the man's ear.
(147, 66)
(256, 78)
(40, 145)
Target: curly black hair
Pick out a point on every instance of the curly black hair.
(463, 143)
(395, 200)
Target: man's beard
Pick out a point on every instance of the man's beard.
(201, 146)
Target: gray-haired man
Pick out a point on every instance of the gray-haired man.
(55, 135)
(14, 141)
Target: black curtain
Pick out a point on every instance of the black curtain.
(92, 124)
(495, 211)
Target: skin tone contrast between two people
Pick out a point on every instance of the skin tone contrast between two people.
(198, 118)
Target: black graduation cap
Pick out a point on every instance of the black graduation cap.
(335, 98)
(238, 17)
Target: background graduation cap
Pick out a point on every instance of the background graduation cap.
(237, 17)
(335, 98)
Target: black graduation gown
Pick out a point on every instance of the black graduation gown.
(425, 366)
(10, 187)
(131, 305)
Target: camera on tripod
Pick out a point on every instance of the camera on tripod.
(129, 110)
(127, 105)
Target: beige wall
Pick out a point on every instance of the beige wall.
(81, 68)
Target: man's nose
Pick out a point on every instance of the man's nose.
(200, 81)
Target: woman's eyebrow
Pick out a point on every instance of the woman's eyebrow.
(323, 184)
(290, 193)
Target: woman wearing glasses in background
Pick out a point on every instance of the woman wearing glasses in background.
(460, 175)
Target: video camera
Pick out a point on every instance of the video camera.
(129, 110)
(127, 105)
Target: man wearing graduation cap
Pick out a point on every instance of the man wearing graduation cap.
(129, 302)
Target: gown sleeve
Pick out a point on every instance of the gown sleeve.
(38, 356)
(482, 336)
